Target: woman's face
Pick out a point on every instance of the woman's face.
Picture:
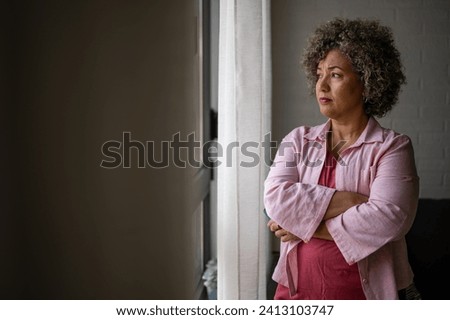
(339, 90)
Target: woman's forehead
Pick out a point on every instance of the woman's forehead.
(335, 58)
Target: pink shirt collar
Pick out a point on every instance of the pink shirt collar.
(372, 133)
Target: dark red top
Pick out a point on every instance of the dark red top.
(323, 273)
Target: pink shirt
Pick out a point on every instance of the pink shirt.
(323, 272)
(380, 164)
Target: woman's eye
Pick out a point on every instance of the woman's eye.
(335, 75)
(319, 76)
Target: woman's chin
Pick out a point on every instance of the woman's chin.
(326, 111)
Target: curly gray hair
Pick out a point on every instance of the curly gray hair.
(372, 52)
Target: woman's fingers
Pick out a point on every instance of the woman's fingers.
(280, 233)
(273, 226)
(289, 237)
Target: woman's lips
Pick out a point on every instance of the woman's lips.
(324, 100)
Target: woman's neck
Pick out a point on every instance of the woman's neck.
(348, 131)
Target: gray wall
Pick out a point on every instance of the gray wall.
(79, 74)
(422, 32)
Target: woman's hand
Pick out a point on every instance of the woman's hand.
(322, 232)
(342, 201)
(280, 233)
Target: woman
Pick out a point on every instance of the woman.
(341, 196)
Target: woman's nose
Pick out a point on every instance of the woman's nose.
(322, 84)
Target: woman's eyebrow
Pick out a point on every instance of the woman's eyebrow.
(332, 67)
(335, 67)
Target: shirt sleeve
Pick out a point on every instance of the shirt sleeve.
(391, 209)
(296, 206)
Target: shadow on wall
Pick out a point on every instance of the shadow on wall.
(429, 248)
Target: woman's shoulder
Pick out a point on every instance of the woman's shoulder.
(395, 145)
(305, 131)
(296, 133)
(392, 137)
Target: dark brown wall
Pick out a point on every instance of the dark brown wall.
(81, 73)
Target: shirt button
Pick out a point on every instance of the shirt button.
(365, 281)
